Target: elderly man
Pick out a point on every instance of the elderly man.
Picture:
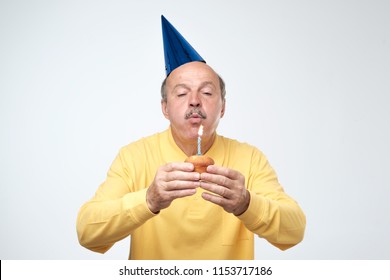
(169, 210)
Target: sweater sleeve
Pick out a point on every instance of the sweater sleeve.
(115, 211)
(272, 214)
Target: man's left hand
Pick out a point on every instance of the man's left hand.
(227, 187)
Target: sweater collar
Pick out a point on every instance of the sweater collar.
(176, 153)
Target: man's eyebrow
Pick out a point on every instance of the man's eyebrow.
(181, 86)
(207, 83)
(202, 85)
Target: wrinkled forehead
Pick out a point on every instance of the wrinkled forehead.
(193, 74)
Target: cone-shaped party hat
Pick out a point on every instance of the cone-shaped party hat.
(177, 51)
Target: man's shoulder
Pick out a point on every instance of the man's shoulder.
(232, 143)
(148, 142)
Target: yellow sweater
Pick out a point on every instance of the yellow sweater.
(190, 228)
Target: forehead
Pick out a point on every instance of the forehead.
(193, 74)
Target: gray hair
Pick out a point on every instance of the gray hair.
(164, 89)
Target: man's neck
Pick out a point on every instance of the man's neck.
(191, 147)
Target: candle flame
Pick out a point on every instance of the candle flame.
(200, 131)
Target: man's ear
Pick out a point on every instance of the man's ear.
(164, 109)
(223, 108)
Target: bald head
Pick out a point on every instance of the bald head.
(189, 70)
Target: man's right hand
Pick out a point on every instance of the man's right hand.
(173, 180)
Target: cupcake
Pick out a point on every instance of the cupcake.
(200, 162)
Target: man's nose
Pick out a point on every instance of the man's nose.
(195, 100)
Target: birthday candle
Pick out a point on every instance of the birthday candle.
(200, 133)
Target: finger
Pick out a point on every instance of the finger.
(181, 193)
(181, 175)
(227, 172)
(181, 185)
(217, 189)
(218, 200)
(178, 166)
(229, 205)
(160, 200)
(216, 179)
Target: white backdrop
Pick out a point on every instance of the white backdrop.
(308, 82)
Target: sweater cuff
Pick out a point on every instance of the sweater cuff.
(255, 210)
(134, 204)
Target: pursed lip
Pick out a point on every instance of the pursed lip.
(195, 116)
(195, 119)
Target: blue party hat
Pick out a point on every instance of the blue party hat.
(177, 51)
